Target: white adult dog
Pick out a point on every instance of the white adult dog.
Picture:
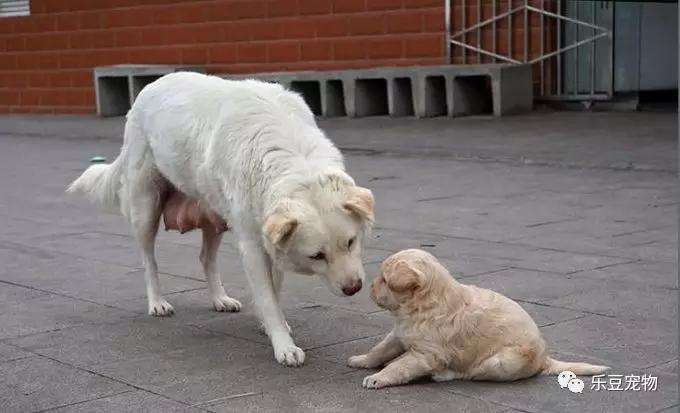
(252, 152)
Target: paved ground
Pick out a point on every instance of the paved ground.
(571, 214)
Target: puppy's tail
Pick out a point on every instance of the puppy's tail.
(554, 367)
(100, 184)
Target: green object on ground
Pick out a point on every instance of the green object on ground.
(98, 159)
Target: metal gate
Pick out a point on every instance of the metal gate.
(568, 42)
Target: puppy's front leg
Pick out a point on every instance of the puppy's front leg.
(409, 366)
(259, 273)
(389, 348)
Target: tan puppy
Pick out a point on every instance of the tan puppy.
(447, 330)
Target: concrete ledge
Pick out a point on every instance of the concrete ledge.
(423, 91)
(117, 87)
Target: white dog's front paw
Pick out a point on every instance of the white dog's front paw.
(375, 381)
(160, 308)
(224, 303)
(359, 362)
(290, 355)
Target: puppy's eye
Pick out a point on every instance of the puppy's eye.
(318, 256)
(350, 243)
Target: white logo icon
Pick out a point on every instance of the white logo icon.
(565, 377)
(576, 385)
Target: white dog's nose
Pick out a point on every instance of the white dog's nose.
(352, 288)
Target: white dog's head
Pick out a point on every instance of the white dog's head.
(321, 230)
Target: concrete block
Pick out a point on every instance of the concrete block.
(423, 91)
(117, 87)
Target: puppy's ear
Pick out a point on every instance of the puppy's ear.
(360, 202)
(279, 228)
(404, 278)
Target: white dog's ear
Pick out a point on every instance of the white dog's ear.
(360, 202)
(279, 228)
(404, 277)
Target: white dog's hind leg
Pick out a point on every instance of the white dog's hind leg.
(218, 297)
(144, 212)
(258, 270)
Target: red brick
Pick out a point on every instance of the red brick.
(409, 22)
(223, 53)
(166, 15)
(49, 60)
(431, 45)
(37, 79)
(349, 49)
(315, 6)
(51, 41)
(252, 53)
(367, 24)
(59, 79)
(237, 31)
(205, 34)
(383, 4)
(298, 28)
(283, 52)
(16, 44)
(349, 6)
(89, 20)
(279, 8)
(423, 3)
(332, 26)
(265, 30)
(103, 39)
(248, 9)
(194, 55)
(9, 97)
(316, 50)
(7, 26)
(128, 37)
(433, 21)
(81, 78)
(385, 48)
(152, 36)
(192, 13)
(67, 22)
(30, 97)
(80, 40)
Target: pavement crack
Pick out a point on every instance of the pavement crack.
(83, 401)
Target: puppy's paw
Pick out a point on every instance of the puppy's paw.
(358, 362)
(160, 308)
(290, 355)
(375, 381)
(224, 303)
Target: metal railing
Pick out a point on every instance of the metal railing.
(551, 54)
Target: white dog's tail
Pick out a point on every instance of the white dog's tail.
(100, 184)
(554, 367)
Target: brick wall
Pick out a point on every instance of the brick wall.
(46, 59)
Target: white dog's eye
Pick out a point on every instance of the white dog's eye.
(318, 256)
(350, 242)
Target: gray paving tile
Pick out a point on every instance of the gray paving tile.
(670, 367)
(543, 394)
(131, 339)
(623, 300)
(87, 279)
(199, 374)
(345, 394)
(46, 312)
(37, 383)
(9, 353)
(530, 285)
(618, 343)
(130, 402)
(646, 273)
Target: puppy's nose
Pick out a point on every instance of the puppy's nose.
(353, 288)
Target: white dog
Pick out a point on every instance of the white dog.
(253, 153)
(447, 330)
